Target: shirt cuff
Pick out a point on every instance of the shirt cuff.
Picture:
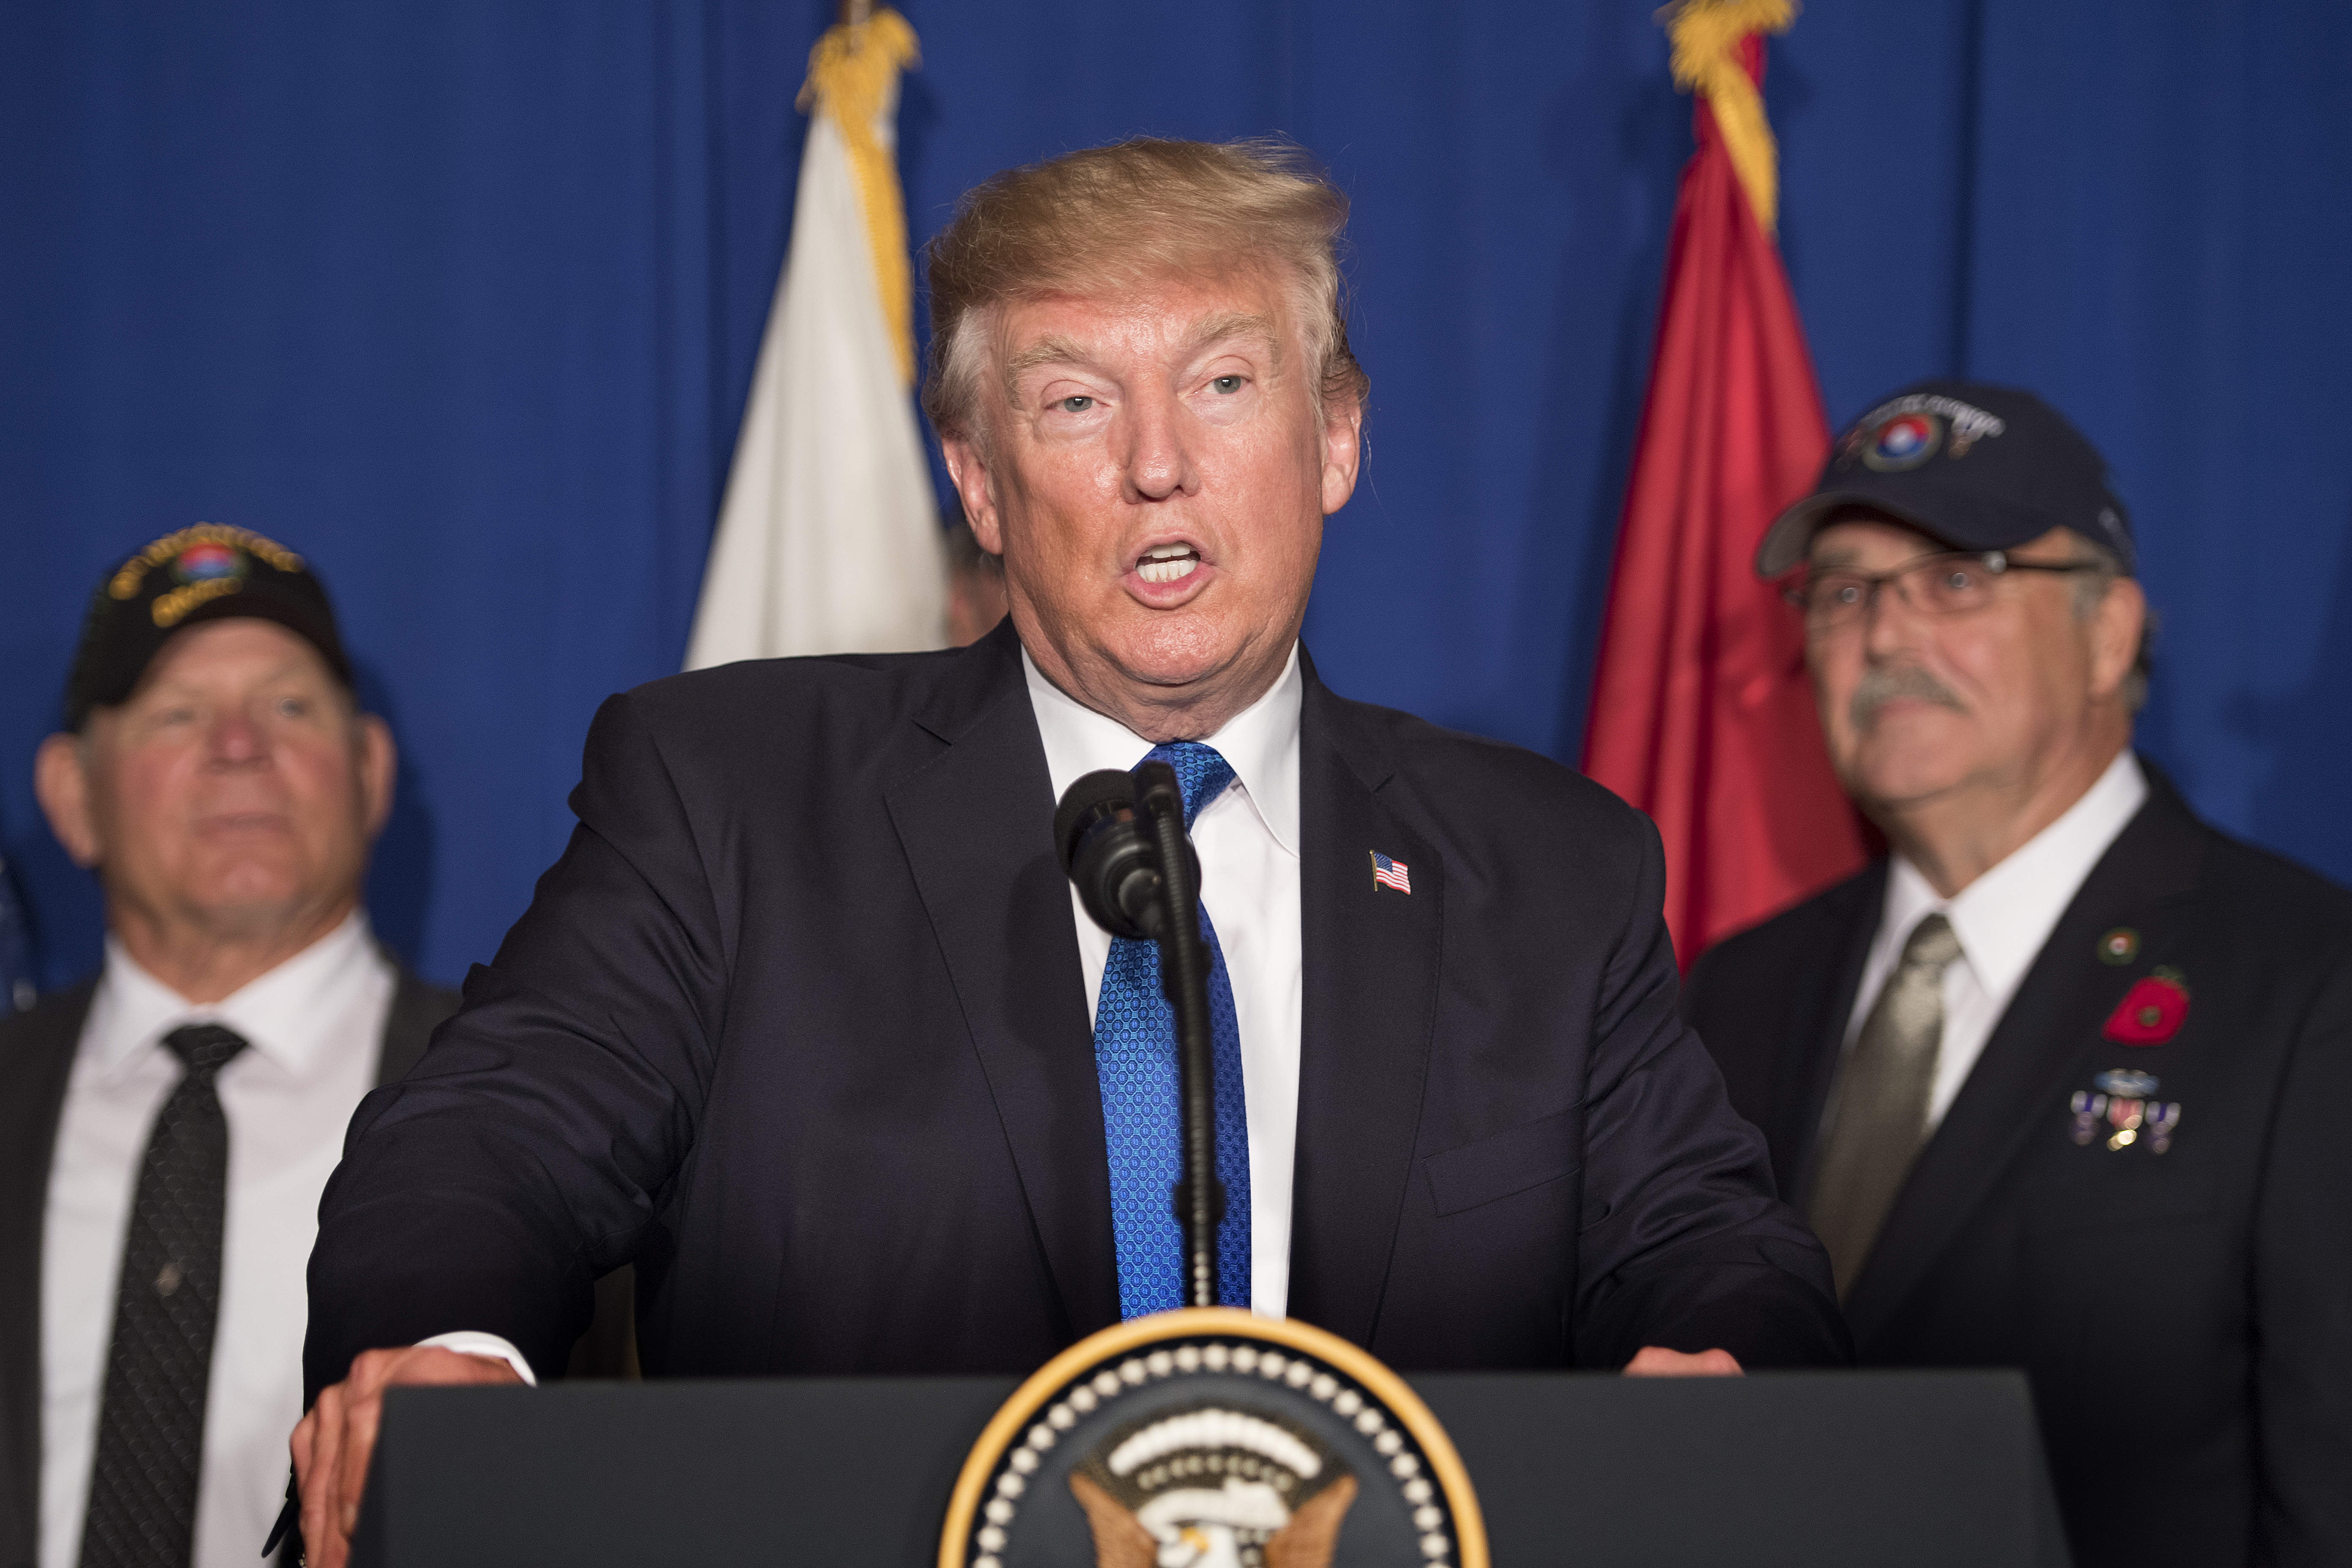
(472, 1341)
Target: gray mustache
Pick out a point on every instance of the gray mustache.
(1881, 686)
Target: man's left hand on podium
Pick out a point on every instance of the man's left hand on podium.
(1656, 1361)
(333, 1444)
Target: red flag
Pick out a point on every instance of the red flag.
(1701, 713)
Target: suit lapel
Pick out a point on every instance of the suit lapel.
(2042, 1044)
(36, 1053)
(1370, 958)
(976, 822)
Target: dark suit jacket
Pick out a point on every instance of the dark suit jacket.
(37, 1053)
(2186, 1317)
(797, 1024)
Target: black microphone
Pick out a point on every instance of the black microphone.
(1121, 838)
(1100, 834)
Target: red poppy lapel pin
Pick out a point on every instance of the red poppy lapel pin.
(2152, 1011)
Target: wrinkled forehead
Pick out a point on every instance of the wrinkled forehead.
(1172, 308)
(1045, 339)
(234, 654)
(1865, 537)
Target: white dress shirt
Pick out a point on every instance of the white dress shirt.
(2002, 919)
(314, 1026)
(1248, 843)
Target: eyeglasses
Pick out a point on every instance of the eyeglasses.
(1943, 584)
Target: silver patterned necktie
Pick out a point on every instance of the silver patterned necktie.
(1880, 1119)
(151, 1418)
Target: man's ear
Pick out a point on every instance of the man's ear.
(968, 470)
(379, 761)
(1343, 452)
(61, 782)
(2116, 631)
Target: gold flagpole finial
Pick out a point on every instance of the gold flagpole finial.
(852, 80)
(1706, 36)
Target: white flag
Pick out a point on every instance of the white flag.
(828, 541)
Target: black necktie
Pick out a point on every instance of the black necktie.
(151, 1421)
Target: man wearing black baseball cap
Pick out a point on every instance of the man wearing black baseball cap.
(166, 1127)
(2060, 1081)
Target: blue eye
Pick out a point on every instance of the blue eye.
(1077, 405)
(1227, 383)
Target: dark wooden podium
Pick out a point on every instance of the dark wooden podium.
(1822, 1469)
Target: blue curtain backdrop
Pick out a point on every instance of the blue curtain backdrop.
(461, 302)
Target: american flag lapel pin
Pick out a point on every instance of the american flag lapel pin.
(1388, 873)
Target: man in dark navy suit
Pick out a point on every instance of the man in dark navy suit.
(805, 1022)
(2061, 1083)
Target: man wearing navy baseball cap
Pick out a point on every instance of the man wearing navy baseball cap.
(2058, 1081)
(167, 1125)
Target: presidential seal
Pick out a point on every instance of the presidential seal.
(1211, 1438)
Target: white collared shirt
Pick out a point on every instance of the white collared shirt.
(2002, 919)
(314, 1025)
(1248, 843)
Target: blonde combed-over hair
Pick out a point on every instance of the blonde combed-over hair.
(1105, 217)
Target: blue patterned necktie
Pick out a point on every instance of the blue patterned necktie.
(1135, 1057)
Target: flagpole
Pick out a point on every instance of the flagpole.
(828, 537)
(1701, 714)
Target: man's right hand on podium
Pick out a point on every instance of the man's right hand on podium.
(335, 1440)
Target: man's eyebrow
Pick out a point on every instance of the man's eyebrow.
(1051, 349)
(1232, 324)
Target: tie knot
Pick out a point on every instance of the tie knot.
(1933, 944)
(206, 1048)
(1202, 773)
